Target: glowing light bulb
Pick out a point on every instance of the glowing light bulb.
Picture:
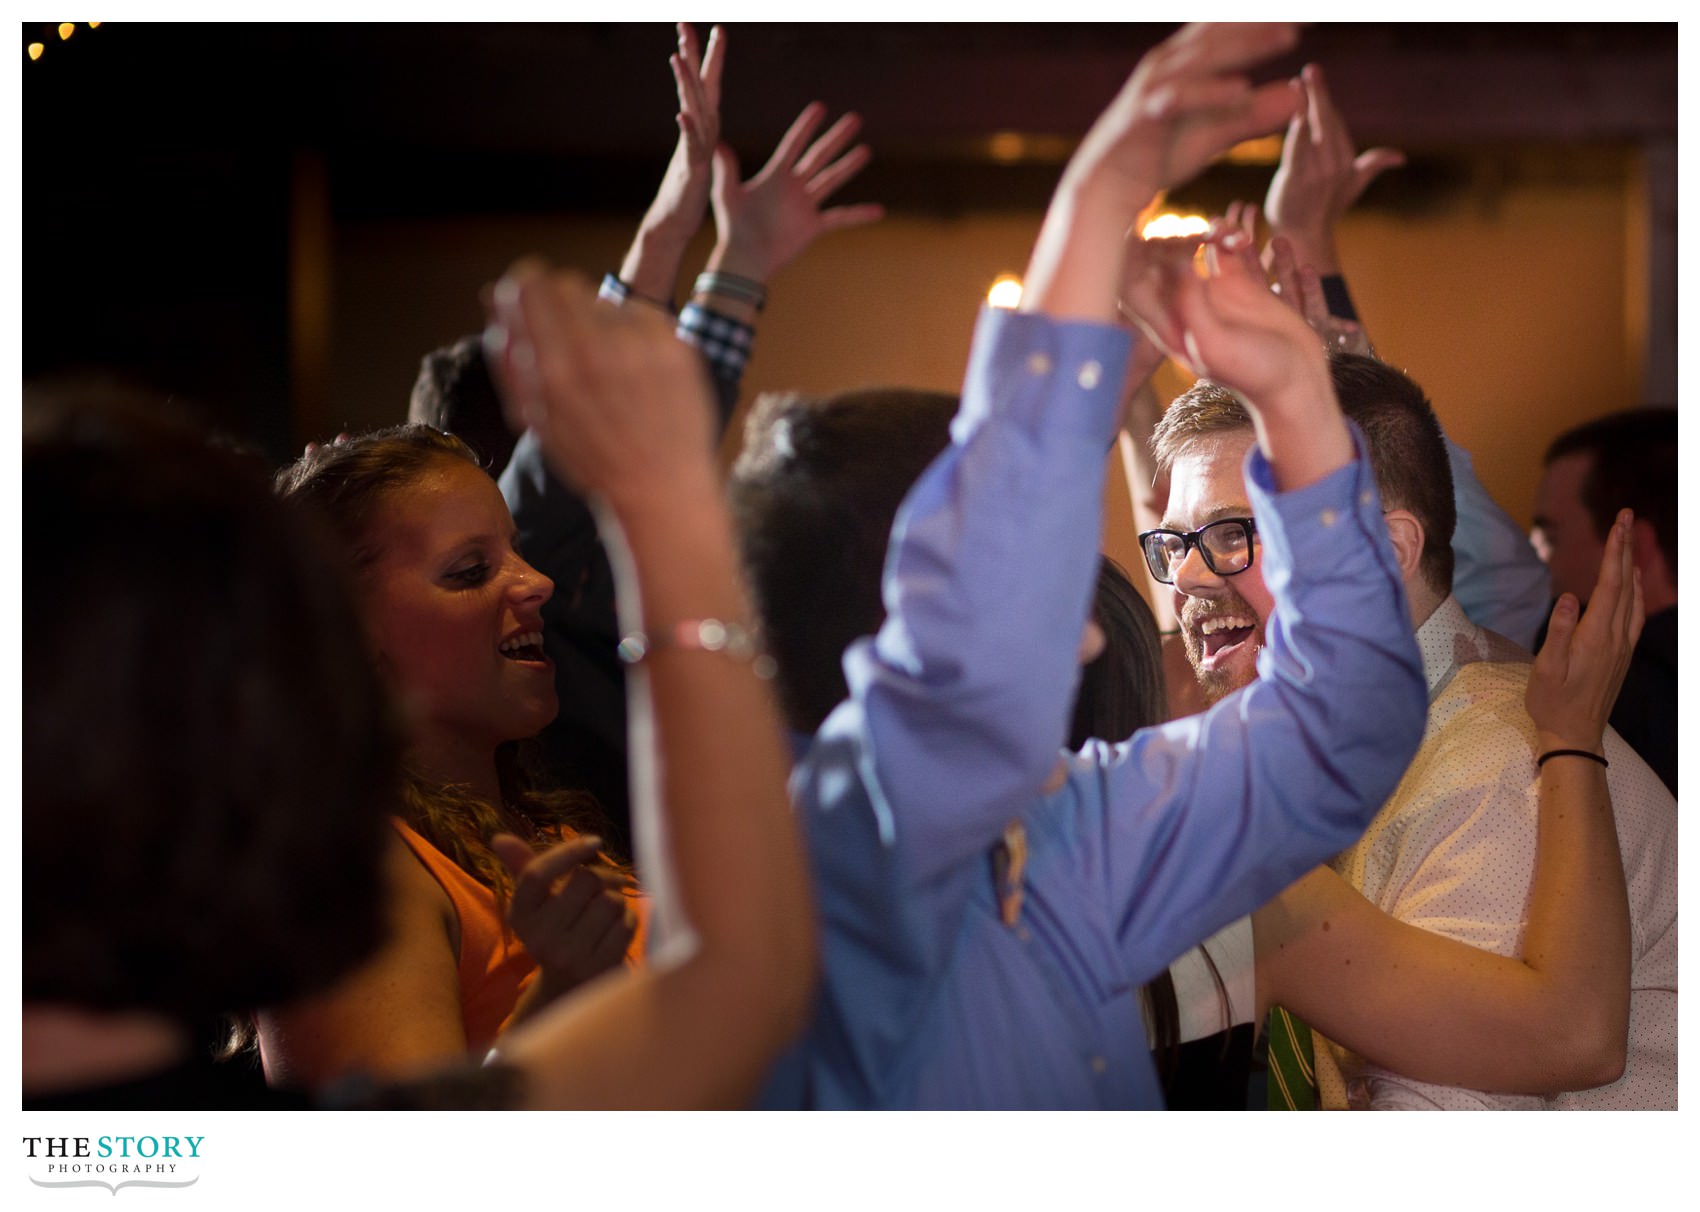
(1005, 292)
(35, 50)
(66, 29)
(1167, 225)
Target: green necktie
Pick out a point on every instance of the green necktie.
(1292, 1063)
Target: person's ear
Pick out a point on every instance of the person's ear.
(1407, 535)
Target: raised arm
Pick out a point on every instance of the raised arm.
(999, 538)
(623, 411)
(651, 266)
(1439, 1010)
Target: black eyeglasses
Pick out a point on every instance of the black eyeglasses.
(1225, 546)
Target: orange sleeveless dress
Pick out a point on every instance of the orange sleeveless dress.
(494, 965)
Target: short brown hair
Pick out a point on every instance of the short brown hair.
(1406, 446)
(814, 493)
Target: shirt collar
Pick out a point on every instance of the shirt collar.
(1448, 640)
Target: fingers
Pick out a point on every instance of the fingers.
(1222, 47)
(830, 179)
(1258, 112)
(796, 138)
(535, 882)
(841, 218)
(1553, 660)
(1285, 265)
(1313, 304)
(713, 59)
(1370, 165)
(821, 152)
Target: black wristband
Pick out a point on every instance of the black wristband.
(1338, 298)
(1581, 753)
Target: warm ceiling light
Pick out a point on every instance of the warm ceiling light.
(1005, 292)
(66, 29)
(1169, 224)
(35, 50)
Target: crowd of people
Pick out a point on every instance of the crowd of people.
(516, 756)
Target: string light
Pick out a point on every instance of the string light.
(35, 50)
(1005, 292)
(66, 29)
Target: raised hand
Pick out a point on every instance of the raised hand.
(1580, 668)
(620, 405)
(765, 222)
(652, 264)
(570, 912)
(1300, 287)
(1184, 104)
(1320, 176)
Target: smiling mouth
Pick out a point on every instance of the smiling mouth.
(525, 649)
(1223, 634)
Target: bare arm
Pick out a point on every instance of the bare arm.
(1442, 1011)
(397, 1015)
(623, 411)
(651, 265)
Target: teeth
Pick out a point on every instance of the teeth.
(528, 639)
(1223, 622)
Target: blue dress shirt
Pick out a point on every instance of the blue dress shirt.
(956, 717)
(1496, 576)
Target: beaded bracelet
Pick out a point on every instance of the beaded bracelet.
(1581, 753)
(706, 635)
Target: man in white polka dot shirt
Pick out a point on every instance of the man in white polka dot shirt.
(1453, 850)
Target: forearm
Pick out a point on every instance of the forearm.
(1418, 1003)
(721, 764)
(1075, 271)
(651, 264)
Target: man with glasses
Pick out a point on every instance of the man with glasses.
(1453, 850)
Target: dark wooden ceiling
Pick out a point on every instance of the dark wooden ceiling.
(160, 160)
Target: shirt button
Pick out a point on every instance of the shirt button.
(1329, 517)
(1099, 1064)
(1039, 364)
(1089, 375)
(1366, 497)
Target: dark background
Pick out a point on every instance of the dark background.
(185, 185)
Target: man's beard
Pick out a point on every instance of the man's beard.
(1222, 680)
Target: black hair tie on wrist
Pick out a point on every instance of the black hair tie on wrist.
(1581, 753)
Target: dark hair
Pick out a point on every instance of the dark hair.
(454, 393)
(345, 483)
(208, 757)
(1406, 447)
(1121, 689)
(814, 493)
(1634, 467)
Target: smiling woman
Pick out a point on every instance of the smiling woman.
(452, 615)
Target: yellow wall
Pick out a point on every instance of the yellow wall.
(1510, 310)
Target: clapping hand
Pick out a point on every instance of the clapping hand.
(765, 222)
(571, 913)
(1320, 175)
(1580, 668)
